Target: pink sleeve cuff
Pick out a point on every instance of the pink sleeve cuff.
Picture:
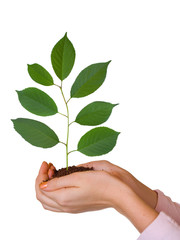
(162, 228)
(166, 205)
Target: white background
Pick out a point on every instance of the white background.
(142, 38)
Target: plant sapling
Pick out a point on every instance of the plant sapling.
(96, 142)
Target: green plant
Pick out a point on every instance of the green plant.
(95, 142)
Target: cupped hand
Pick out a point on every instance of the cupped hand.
(95, 190)
(144, 192)
(77, 192)
(104, 165)
(45, 173)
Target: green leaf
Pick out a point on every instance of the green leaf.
(37, 102)
(95, 113)
(89, 80)
(98, 141)
(63, 57)
(40, 74)
(36, 133)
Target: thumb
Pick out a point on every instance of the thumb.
(71, 180)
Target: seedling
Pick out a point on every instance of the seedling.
(96, 142)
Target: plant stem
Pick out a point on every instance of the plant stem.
(62, 114)
(72, 151)
(62, 143)
(71, 123)
(67, 140)
(68, 99)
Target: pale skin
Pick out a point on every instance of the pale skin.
(107, 186)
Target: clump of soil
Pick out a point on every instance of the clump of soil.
(63, 172)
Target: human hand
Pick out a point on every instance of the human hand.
(77, 192)
(92, 190)
(45, 173)
(144, 192)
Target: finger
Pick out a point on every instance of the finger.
(51, 172)
(42, 176)
(72, 180)
(96, 165)
(51, 166)
(46, 207)
(88, 208)
(46, 200)
(71, 200)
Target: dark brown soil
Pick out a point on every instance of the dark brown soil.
(62, 172)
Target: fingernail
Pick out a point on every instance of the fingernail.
(52, 167)
(43, 163)
(43, 185)
(50, 164)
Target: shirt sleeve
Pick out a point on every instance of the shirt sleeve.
(162, 228)
(166, 205)
(165, 226)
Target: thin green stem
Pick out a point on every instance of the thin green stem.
(72, 151)
(62, 143)
(67, 140)
(71, 123)
(68, 99)
(56, 85)
(62, 114)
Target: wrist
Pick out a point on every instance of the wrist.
(144, 192)
(128, 203)
(118, 195)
